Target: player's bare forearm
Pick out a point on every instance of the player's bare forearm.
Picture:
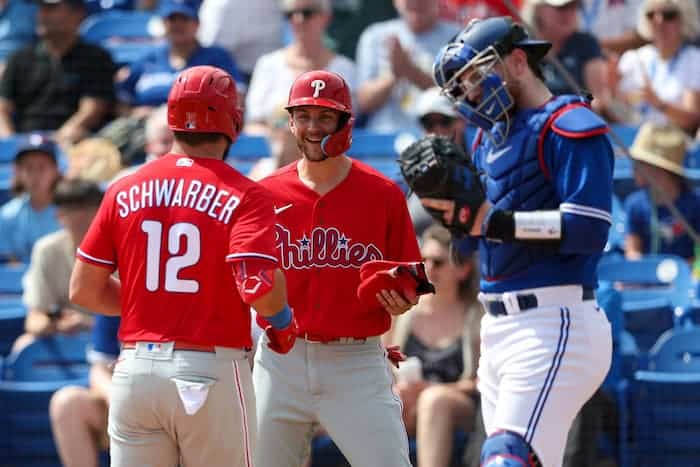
(273, 301)
(93, 288)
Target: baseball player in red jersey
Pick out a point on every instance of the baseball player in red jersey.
(333, 215)
(193, 241)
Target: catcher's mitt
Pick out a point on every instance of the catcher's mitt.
(436, 167)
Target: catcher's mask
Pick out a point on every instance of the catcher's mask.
(468, 62)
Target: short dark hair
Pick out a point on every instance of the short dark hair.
(194, 139)
(77, 193)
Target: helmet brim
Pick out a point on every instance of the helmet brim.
(537, 49)
(318, 102)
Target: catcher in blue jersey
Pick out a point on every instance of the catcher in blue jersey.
(536, 201)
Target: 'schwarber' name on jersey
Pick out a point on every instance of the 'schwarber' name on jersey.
(216, 203)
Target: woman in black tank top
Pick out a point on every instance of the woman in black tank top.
(442, 333)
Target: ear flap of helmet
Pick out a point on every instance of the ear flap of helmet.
(337, 143)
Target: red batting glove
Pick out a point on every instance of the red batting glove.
(282, 340)
(394, 354)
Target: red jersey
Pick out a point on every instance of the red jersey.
(170, 229)
(323, 240)
(463, 11)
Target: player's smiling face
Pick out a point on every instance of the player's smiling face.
(310, 124)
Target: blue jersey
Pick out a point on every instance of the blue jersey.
(21, 226)
(151, 78)
(104, 346)
(662, 232)
(556, 157)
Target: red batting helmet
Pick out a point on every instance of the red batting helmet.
(326, 89)
(203, 99)
(322, 88)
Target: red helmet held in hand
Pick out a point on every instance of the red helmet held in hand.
(326, 89)
(204, 99)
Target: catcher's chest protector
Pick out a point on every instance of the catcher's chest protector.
(514, 179)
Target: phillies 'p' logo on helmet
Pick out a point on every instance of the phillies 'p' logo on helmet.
(204, 99)
(325, 89)
(318, 85)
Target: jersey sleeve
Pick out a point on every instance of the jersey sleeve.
(98, 247)
(581, 170)
(402, 241)
(253, 233)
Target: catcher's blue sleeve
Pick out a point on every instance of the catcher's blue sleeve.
(581, 168)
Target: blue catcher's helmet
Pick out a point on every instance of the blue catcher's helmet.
(476, 50)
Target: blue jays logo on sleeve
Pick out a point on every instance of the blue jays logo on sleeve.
(323, 247)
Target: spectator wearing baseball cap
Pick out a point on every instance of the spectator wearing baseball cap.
(17, 26)
(659, 152)
(436, 115)
(30, 214)
(47, 279)
(144, 85)
(58, 83)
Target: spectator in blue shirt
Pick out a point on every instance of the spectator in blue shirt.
(659, 152)
(78, 414)
(30, 214)
(145, 84)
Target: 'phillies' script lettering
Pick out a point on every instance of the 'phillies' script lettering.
(323, 247)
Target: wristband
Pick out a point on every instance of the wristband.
(281, 319)
(529, 226)
(537, 225)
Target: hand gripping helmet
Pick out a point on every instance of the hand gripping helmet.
(476, 50)
(203, 99)
(326, 89)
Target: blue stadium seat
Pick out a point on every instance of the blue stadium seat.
(8, 148)
(11, 277)
(368, 145)
(667, 401)
(249, 147)
(654, 291)
(622, 135)
(57, 357)
(677, 351)
(25, 428)
(665, 280)
(6, 173)
(12, 315)
(127, 35)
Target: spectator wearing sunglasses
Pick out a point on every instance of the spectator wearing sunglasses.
(394, 59)
(661, 80)
(441, 332)
(275, 72)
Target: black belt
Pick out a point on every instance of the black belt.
(525, 302)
